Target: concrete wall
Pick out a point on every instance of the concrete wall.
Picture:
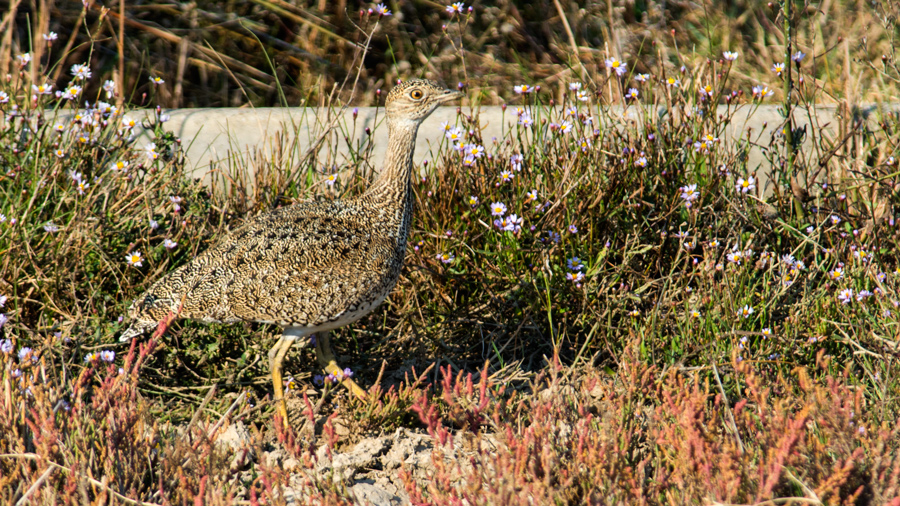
(209, 134)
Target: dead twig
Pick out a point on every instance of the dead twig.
(737, 434)
(54, 465)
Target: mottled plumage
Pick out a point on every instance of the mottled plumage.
(310, 267)
(310, 264)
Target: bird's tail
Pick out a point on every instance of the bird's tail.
(145, 315)
(137, 328)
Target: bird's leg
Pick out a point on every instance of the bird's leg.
(276, 356)
(328, 363)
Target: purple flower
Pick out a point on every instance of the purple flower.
(845, 296)
(456, 8)
(689, 192)
(474, 150)
(574, 264)
(522, 89)
(24, 352)
(576, 277)
(745, 185)
(516, 161)
(514, 223)
(616, 65)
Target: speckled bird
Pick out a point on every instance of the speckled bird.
(310, 267)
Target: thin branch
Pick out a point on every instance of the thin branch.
(737, 434)
(565, 22)
(773, 502)
(34, 486)
(54, 465)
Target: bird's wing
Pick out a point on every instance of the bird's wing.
(291, 267)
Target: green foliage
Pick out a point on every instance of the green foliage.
(613, 294)
(272, 53)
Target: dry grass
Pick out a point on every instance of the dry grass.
(215, 54)
(655, 329)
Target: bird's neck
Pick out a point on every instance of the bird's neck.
(393, 187)
(394, 180)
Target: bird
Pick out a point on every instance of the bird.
(310, 267)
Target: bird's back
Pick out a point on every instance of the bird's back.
(318, 264)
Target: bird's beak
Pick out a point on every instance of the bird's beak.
(450, 95)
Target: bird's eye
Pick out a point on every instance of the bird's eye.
(416, 94)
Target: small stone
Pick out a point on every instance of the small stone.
(235, 436)
(367, 493)
(241, 459)
(363, 456)
(290, 464)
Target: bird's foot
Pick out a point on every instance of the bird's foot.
(344, 377)
(329, 364)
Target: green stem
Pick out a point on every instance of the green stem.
(788, 111)
(788, 84)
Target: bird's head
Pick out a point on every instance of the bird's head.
(413, 100)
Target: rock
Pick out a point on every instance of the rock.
(365, 493)
(369, 472)
(275, 457)
(364, 456)
(408, 448)
(241, 459)
(552, 393)
(290, 464)
(390, 483)
(341, 427)
(235, 436)
(280, 458)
